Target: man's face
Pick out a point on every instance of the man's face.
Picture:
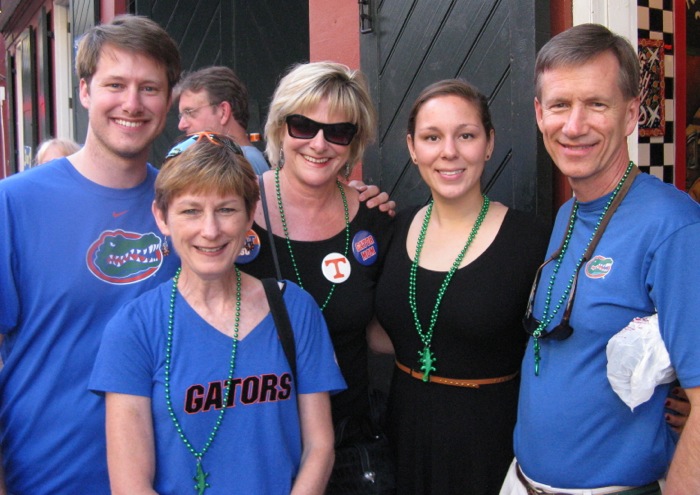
(197, 113)
(127, 102)
(585, 120)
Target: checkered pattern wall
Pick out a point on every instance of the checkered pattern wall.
(656, 153)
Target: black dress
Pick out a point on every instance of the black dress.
(350, 308)
(451, 439)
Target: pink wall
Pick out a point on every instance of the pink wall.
(334, 34)
(111, 8)
(334, 31)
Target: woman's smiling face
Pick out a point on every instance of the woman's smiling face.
(208, 231)
(450, 146)
(315, 161)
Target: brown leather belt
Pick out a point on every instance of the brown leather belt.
(455, 382)
(650, 489)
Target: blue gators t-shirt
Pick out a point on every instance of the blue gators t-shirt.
(573, 431)
(258, 447)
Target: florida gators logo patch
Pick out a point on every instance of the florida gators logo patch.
(120, 257)
(598, 267)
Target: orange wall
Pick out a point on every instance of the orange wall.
(561, 18)
(334, 31)
(334, 34)
(111, 8)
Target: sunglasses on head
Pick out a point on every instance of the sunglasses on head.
(562, 331)
(301, 127)
(213, 138)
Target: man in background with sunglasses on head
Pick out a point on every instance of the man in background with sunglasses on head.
(621, 251)
(78, 241)
(214, 99)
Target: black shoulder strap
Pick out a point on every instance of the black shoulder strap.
(266, 213)
(282, 323)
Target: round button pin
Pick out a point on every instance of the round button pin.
(336, 268)
(365, 248)
(250, 249)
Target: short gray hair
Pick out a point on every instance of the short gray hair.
(581, 44)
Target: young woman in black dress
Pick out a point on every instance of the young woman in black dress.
(451, 298)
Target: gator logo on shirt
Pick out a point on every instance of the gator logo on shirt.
(120, 257)
(598, 267)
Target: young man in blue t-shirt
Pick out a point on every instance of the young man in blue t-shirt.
(77, 241)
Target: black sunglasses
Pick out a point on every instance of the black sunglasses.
(562, 331)
(213, 138)
(301, 127)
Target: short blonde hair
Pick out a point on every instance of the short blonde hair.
(209, 165)
(305, 86)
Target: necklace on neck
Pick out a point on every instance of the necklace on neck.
(200, 477)
(426, 357)
(547, 315)
(280, 207)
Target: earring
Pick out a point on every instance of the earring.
(346, 173)
(280, 163)
(164, 247)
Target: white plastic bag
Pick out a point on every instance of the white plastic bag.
(638, 361)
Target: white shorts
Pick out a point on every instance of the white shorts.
(513, 486)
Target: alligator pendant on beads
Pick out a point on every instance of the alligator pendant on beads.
(426, 358)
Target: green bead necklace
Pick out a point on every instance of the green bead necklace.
(280, 207)
(426, 357)
(547, 315)
(200, 476)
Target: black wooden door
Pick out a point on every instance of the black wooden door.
(491, 44)
(258, 39)
(84, 15)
